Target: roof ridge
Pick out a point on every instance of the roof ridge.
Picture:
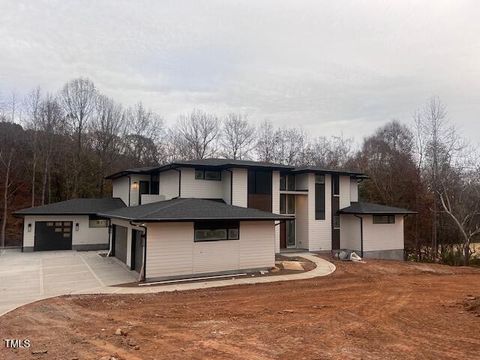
(178, 201)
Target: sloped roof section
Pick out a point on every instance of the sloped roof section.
(75, 207)
(188, 209)
(316, 169)
(373, 209)
(141, 170)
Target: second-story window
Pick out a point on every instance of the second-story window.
(287, 204)
(201, 174)
(336, 185)
(320, 197)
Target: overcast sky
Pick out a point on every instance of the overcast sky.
(329, 66)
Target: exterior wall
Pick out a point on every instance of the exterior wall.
(301, 181)
(134, 192)
(240, 187)
(345, 191)
(350, 233)
(85, 238)
(353, 190)
(380, 237)
(301, 221)
(121, 188)
(319, 231)
(276, 205)
(168, 184)
(171, 251)
(205, 189)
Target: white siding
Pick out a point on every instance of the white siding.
(135, 191)
(120, 188)
(378, 237)
(84, 236)
(301, 222)
(240, 187)
(350, 232)
(319, 231)
(205, 189)
(353, 190)
(172, 252)
(344, 191)
(168, 184)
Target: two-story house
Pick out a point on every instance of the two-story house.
(210, 216)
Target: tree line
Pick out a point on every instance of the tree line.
(60, 146)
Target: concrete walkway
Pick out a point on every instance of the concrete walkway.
(28, 277)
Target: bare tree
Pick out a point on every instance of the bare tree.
(196, 135)
(267, 142)
(237, 137)
(78, 99)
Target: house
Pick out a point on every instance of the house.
(211, 216)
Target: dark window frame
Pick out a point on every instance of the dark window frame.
(94, 218)
(320, 206)
(200, 174)
(390, 219)
(336, 185)
(226, 225)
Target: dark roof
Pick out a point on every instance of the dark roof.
(141, 170)
(75, 207)
(369, 208)
(317, 169)
(226, 163)
(183, 209)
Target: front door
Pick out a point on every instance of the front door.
(283, 235)
(287, 234)
(120, 242)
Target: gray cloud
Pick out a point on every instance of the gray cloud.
(329, 66)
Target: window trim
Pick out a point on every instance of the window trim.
(390, 219)
(94, 218)
(216, 225)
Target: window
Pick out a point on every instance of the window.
(287, 204)
(336, 221)
(216, 230)
(213, 175)
(201, 174)
(336, 185)
(283, 204)
(97, 222)
(384, 219)
(283, 182)
(319, 197)
(259, 182)
(291, 182)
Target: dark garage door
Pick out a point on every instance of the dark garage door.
(137, 250)
(53, 235)
(120, 243)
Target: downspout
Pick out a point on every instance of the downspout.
(143, 270)
(361, 234)
(109, 238)
(231, 185)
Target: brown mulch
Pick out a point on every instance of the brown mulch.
(376, 310)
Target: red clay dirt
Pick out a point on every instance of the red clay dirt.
(377, 310)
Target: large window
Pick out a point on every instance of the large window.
(287, 182)
(336, 185)
(384, 219)
(287, 204)
(319, 197)
(259, 182)
(216, 230)
(201, 174)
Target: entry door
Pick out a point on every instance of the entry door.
(137, 250)
(290, 234)
(53, 235)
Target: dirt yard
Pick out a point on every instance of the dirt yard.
(378, 310)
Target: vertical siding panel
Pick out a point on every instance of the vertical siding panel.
(169, 184)
(344, 191)
(240, 187)
(319, 231)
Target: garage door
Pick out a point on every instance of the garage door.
(53, 235)
(120, 243)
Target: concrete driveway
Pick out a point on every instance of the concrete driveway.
(27, 277)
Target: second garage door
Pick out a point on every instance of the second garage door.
(120, 243)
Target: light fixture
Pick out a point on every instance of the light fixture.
(77, 226)
(135, 185)
(29, 227)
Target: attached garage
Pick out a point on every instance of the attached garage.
(53, 235)
(67, 225)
